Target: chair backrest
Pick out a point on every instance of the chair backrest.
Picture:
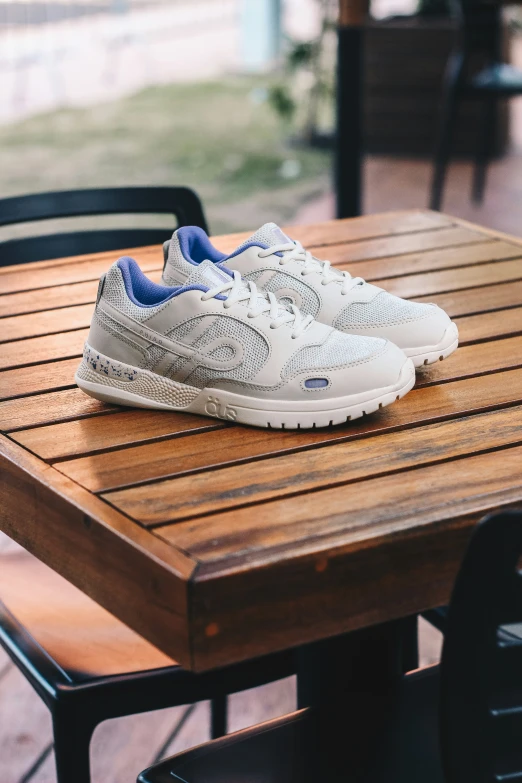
(266, 753)
(481, 27)
(182, 203)
(481, 671)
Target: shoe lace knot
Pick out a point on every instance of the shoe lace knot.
(259, 302)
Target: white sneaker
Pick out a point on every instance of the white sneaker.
(278, 264)
(217, 346)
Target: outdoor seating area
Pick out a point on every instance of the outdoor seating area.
(261, 487)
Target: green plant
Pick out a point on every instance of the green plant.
(306, 83)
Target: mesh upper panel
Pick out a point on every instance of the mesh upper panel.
(384, 310)
(310, 303)
(155, 353)
(176, 366)
(182, 330)
(177, 260)
(338, 350)
(256, 351)
(269, 234)
(114, 292)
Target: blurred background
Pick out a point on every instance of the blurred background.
(235, 98)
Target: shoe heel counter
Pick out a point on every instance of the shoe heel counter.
(106, 336)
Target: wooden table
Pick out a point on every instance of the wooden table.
(219, 542)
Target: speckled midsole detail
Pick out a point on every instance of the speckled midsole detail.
(99, 369)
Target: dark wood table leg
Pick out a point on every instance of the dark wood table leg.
(350, 683)
(350, 88)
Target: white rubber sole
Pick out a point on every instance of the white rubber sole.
(435, 353)
(120, 384)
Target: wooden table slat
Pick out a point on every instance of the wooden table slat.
(332, 465)
(453, 279)
(488, 326)
(64, 319)
(148, 462)
(34, 350)
(473, 301)
(47, 408)
(432, 260)
(336, 516)
(219, 542)
(23, 381)
(91, 435)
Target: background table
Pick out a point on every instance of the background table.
(219, 542)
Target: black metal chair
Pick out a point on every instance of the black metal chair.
(182, 203)
(479, 41)
(88, 667)
(459, 722)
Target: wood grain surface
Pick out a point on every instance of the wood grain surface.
(218, 542)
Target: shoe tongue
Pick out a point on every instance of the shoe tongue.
(268, 235)
(209, 275)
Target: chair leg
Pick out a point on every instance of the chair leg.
(410, 644)
(485, 150)
(72, 739)
(218, 716)
(445, 131)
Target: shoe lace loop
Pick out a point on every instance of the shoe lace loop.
(294, 251)
(240, 290)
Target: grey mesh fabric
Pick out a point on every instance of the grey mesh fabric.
(176, 366)
(384, 310)
(180, 331)
(338, 350)
(269, 234)
(256, 351)
(114, 292)
(176, 259)
(310, 300)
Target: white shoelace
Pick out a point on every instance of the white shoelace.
(294, 251)
(260, 302)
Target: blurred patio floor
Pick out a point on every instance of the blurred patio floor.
(397, 183)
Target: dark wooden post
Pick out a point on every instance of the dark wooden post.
(350, 84)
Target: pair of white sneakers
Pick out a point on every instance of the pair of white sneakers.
(283, 340)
